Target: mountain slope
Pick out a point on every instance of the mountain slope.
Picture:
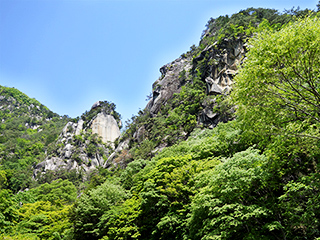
(182, 168)
(28, 128)
(191, 90)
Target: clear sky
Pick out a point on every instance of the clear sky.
(68, 54)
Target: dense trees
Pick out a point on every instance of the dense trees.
(277, 89)
(277, 94)
(88, 212)
(41, 212)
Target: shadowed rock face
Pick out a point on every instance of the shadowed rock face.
(221, 61)
(106, 127)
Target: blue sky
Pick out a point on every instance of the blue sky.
(68, 54)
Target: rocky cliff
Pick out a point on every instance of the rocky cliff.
(106, 127)
(188, 94)
(207, 72)
(218, 62)
(169, 83)
(84, 145)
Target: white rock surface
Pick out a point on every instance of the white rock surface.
(79, 127)
(54, 163)
(68, 150)
(105, 126)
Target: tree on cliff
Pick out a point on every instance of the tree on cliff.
(278, 87)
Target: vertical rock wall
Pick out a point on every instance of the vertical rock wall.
(105, 126)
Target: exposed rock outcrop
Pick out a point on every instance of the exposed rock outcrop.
(169, 83)
(215, 65)
(112, 160)
(106, 127)
(221, 61)
(83, 148)
(79, 127)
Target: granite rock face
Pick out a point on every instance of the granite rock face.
(221, 62)
(106, 127)
(79, 127)
(215, 65)
(169, 83)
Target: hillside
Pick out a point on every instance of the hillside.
(226, 148)
(27, 129)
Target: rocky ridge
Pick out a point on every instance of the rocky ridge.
(169, 83)
(15, 104)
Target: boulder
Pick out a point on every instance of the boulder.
(95, 105)
(212, 87)
(54, 163)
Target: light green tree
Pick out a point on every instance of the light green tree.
(277, 89)
(233, 201)
(44, 220)
(58, 190)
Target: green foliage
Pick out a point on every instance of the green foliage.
(230, 203)
(22, 147)
(19, 96)
(120, 222)
(89, 209)
(45, 220)
(223, 140)
(8, 210)
(165, 194)
(3, 179)
(277, 97)
(300, 206)
(245, 23)
(58, 190)
(41, 212)
(127, 175)
(144, 150)
(74, 176)
(277, 87)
